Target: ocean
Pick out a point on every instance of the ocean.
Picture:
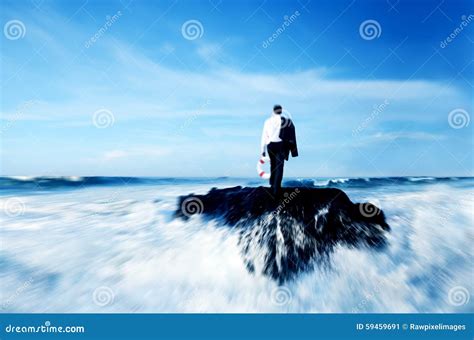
(113, 244)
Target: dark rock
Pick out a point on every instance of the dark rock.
(283, 236)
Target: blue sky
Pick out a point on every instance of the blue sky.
(396, 103)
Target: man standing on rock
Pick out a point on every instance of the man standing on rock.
(279, 138)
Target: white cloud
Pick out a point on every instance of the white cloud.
(137, 86)
(397, 135)
(114, 154)
(167, 48)
(407, 135)
(209, 52)
(146, 151)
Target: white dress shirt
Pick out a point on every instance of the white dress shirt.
(271, 130)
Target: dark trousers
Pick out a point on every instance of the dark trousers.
(277, 161)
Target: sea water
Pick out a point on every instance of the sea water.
(112, 244)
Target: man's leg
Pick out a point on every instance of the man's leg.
(271, 154)
(279, 164)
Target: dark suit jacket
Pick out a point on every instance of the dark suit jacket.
(288, 136)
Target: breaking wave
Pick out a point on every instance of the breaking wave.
(64, 182)
(62, 247)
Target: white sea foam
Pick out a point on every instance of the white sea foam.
(67, 244)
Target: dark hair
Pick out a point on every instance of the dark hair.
(277, 109)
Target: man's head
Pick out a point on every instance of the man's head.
(277, 109)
